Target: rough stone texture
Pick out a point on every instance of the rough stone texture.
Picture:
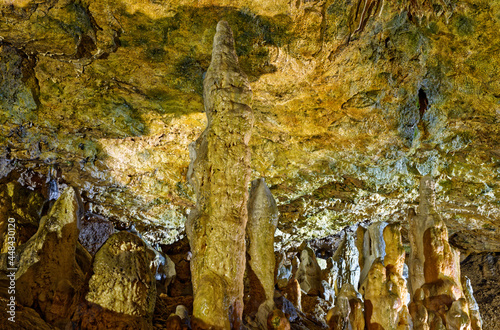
(22, 205)
(436, 286)
(220, 174)
(166, 306)
(373, 247)
(431, 256)
(262, 222)
(309, 273)
(26, 318)
(474, 313)
(293, 293)
(94, 232)
(122, 282)
(354, 101)
(483, 271)
(385, 289)
(348, 312)
(48, 274)
(342, 268)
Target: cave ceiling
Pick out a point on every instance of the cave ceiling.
(354, 101)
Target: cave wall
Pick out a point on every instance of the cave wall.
(354, 101)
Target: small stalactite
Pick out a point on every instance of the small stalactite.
(364, 10)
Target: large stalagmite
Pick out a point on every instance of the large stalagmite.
(438, 298)
(220, 174)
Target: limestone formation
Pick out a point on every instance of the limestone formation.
(438, 297)
(348, 312)
(123, 281)
(262, 222)
(49, 276)
(220, 174)
(342, 268)
(94, 232)
(385, 289)
(475, 315)
(284, 271)
(373, 246)
(309, 273)
(20, 210)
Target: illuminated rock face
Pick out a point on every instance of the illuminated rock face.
(123, 281)
(220, 175)
(123, 286)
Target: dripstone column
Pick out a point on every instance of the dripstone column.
(220, 175)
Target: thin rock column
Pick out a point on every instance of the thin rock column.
(220, 175)
(262, 223)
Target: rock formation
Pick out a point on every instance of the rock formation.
(483, 271)
(309, 273)
(262, 222)
(438, 298)
(343, 268)
(354, 100)
(94, 232)
(348, 312)
(385, 289)
(49, 276)
(123, 283)
(220, 175)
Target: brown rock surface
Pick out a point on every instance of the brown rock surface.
(385, 289)
(220, 174)
(354, 100)
(348, 311)
(277, 321)
(25, 318)
(94, 232)
(309, 273)
(49, 276)
(483, 270)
